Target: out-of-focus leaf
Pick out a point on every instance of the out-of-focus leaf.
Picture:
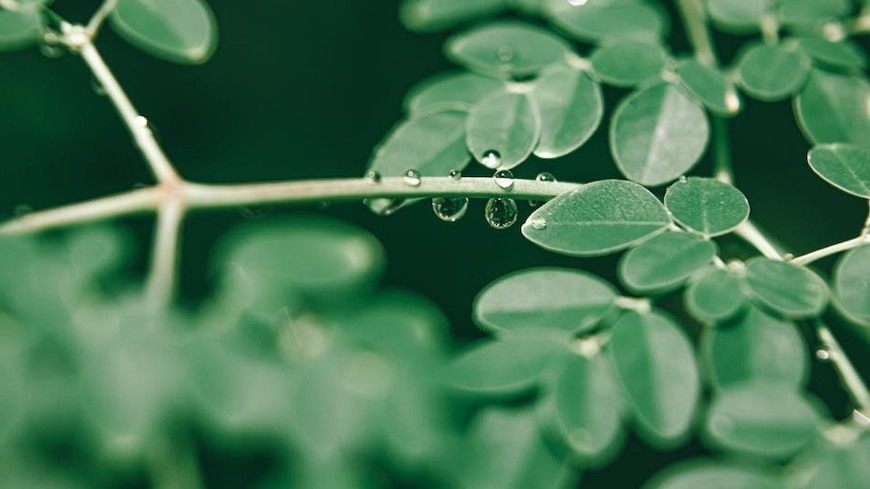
(657, 134)
(507, 49)
(771, 72)
(762, 419)
(19, 29)
(182, 31)
(450, 92)
(738, 16)
(844, 166)
(832, 108)
(842, 54)
(852, 286)
(709, 474)
(601, 20)
(756, 347)
(599, 218)
(433, 15)
(656, 366)
(627, 64)
(789, 289)
(709, 86)
(571, 107)
(502, 130)
(834, 464)
(714, 295)
(550, 298)
(433, 144)
(664, 261)
(706, 205)
(797, 12)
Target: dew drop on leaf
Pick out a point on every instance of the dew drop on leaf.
(450, 209)
(504, 179)
(372, 176)
(538, 223)
(501, 213)
(412, 178)
(545, 177)
(491, 158)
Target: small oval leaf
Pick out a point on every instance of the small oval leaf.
(737, 16)
(706, 205)
(832, 108)
(504, 123)
(18, 29)
(762, 419)
(755, 347)
(604, 20)
(627, 64)
(598, 218)
(657, 134)
(714, 295)
(182, 31)
(553, 298)
(571, 107)
(844, 166)
(709, 86)
(842, 54)
(450, 91)
(771, 72)
(433, 144)
(507, 49)
(656, 366)
(709, 474)
(852, 284)
(435, 15)
(664, 262)
(789, 289)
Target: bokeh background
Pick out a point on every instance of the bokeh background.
(306, 89)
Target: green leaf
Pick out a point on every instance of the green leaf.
(737, 16)
(844, 166)
(709, 86)
(626, 64)
(434, 15)
(433, 144)
(656, 365)
(182, 31)
(19, 29)
(598, 218)
(507, 49)
(762, 419)
(771, 72)
(585, 410)
(508, 452)
(796, 12)
(554, 298)
(709, 474)
(506, 124)
(657, 134)
(789, 289)
(833, 109)
(597, 21)
(450, 92)
(664, 262)
(571, 107)
(756, 347)
(851, 286)
(840, 463)
(706, 205)
(512, 364)
(842, 54)
(714, 295)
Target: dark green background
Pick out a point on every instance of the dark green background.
(305, 89)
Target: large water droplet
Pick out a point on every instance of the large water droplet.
(504, 179)
(501, 213)
(505, 54)
(491, 159)
(141, 121)
(538, 223)
(455, 175)
(683, 179)
(545, 177)
(382, 206)
(412, 178)
(823, 354)
(450, 209)
(373, 176)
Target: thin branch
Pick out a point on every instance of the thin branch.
(125, 204)
(752, 235)
(99, 17)
(851, 379)
(137, 124)
(696, 28)
(831, 250)
(722, 151)
(160, 288)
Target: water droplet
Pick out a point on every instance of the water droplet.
(823, 354)
(22, 210)
(141, 121)
(97, 87)
(491, 159)
(683, 179)
(538, 223)
(732, 101)
(501, 213)
(455, 175)
(577, 3)
(50, 51)
(412, 178)
(450, 209)
(373, 176)
(788, 257)
(504, 179)
(505, 54)
(545, 177)
(383, 206)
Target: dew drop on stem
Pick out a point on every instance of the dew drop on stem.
(491, 159)
(412, 178)
(450, 209)
(373, 176)
(545, 177)
(823, 354)
(382, 206)
(504, 179)
(501, 213)
(455, 175)
(98, 87)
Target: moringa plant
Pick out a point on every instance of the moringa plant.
(300, 370)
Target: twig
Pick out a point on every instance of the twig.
(752, 235)
(849, 376)
(831, 250)
(99, 17)
(164, 252)
(722, 151)
(696, 28)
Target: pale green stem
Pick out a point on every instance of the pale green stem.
(99, 17)
(202, 196)
(851, 379)
(160, 286)
(752, 235)
(696, 29)
(865, 231)
(722, 157)
(831, 250)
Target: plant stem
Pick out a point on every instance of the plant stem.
(722, 157)
(831, 250)
(99, 17)
(202, 196)
(137, 124)
(160, 287)
(752, 235)
(696, 29)
(849, 376)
